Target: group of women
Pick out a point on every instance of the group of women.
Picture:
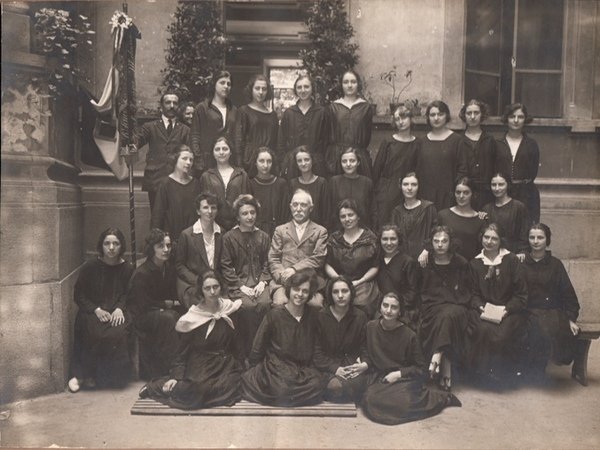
(459, 275)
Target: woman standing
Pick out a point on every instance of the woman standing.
(396, 156)
(100, 353)
(214, 117)
(315, 185)
(350, 119)
(552, 304)
(341, 348)
(225, 181)
(257, 125)
(519, 156)
(207, 368)
(282, 370)
(446, 306)
(351, 185)
(498, 283)
(441, 161)
(398, 273)
(414, 217)
(510, 214)
(354, 253)
(271, 191)
(396, 393)
(303, 124)
(174, 208)
(480, 150)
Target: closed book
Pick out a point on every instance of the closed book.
(492, 313)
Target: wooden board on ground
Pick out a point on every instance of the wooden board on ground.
(244, 408)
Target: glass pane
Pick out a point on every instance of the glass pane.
(540, 34)
(282, 79)
(540, 93)
(484, 35)
(485, 88)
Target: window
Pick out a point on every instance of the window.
(514, 54)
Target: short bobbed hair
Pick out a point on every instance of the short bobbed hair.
(114, 232)
(349, 203)
(544, 228)
(229, 143)
(155, 236)
(302, 276)
(210, 198)
(483, 107)
(454, 242)
(496, 228)
(304, 77)
(329, 289)
(397, 298)
(442, 106)
(396, 230)
(250, 86)
(174, 157)
(512, 108)
(253, 171)
(245, 200)
(403, 111)
(212, 87)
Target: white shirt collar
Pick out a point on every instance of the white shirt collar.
(197, 228)
(356, 102)
(300, 228)
(497, 260)
(165, 120)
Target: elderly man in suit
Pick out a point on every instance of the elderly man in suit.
(298, 244)
(163, 136)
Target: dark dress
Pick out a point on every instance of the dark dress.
(175, 208)
(319, 192)
(238, 184)
(499, 348)
(466, 229)
(523, 172)
(349, 127)
(551, 302)
(207, 125)
(394, 160)
(446, 309)
(208, 370)
(481, 160)
(100, 350)
(342, 343)
(353, 261)
(360, 190)
(283, 372)
(439, 165)
(416, 225)
(407, 399)
(512, 218)
(308, 129)
(149, 287)
(274, 202)
(400, 275)
(254, 129)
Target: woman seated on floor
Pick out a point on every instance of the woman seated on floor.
(152, 300)
(282, 371)
(396, 392)
(341, 347)
(100, 353)
(207, 368)
(552, 304)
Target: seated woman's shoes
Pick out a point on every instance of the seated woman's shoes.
(452, 400)
(144, 392)
(74, 385)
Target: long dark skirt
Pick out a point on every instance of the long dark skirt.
(340, 390)
(100, 351)
(159, 341)
(275, 381)
(250, 316)
(213, 380)
(550, 337)
(499, 348)
(404, 401)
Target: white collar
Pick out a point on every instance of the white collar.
(497, 260)
(254, 228)
(165, 120)
(197, 228)
(196, 316)
(356, 102)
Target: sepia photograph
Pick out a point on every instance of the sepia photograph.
(300, 224)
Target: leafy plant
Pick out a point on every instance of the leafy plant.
(330, 51)
(389, 77)
(196, 49)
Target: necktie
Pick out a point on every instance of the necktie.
(170, 127)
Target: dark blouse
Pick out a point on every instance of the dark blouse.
(526, 163)
(273, 196)
(175, 207)
(549, 286)
(308, 129)
(353, 260)
(340, 343)
(319, 192)
(207, 125)
(100, 285)
(359, 189)
(481, 158)
(512, 218)
(150, 286)
(394, 160)
(399, 275)
(254, 129)
(466, 229)
(211, 181)
(244, 259)
(351, 127)
(502, 285)
(442, 284)
(416, 224)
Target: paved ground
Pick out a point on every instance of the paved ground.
(561, 414)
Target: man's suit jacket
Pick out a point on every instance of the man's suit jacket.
(289, 251)
(160, 146)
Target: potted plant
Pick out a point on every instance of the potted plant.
(389, 77)
(414, 106)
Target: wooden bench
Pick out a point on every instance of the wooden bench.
(588, 332)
